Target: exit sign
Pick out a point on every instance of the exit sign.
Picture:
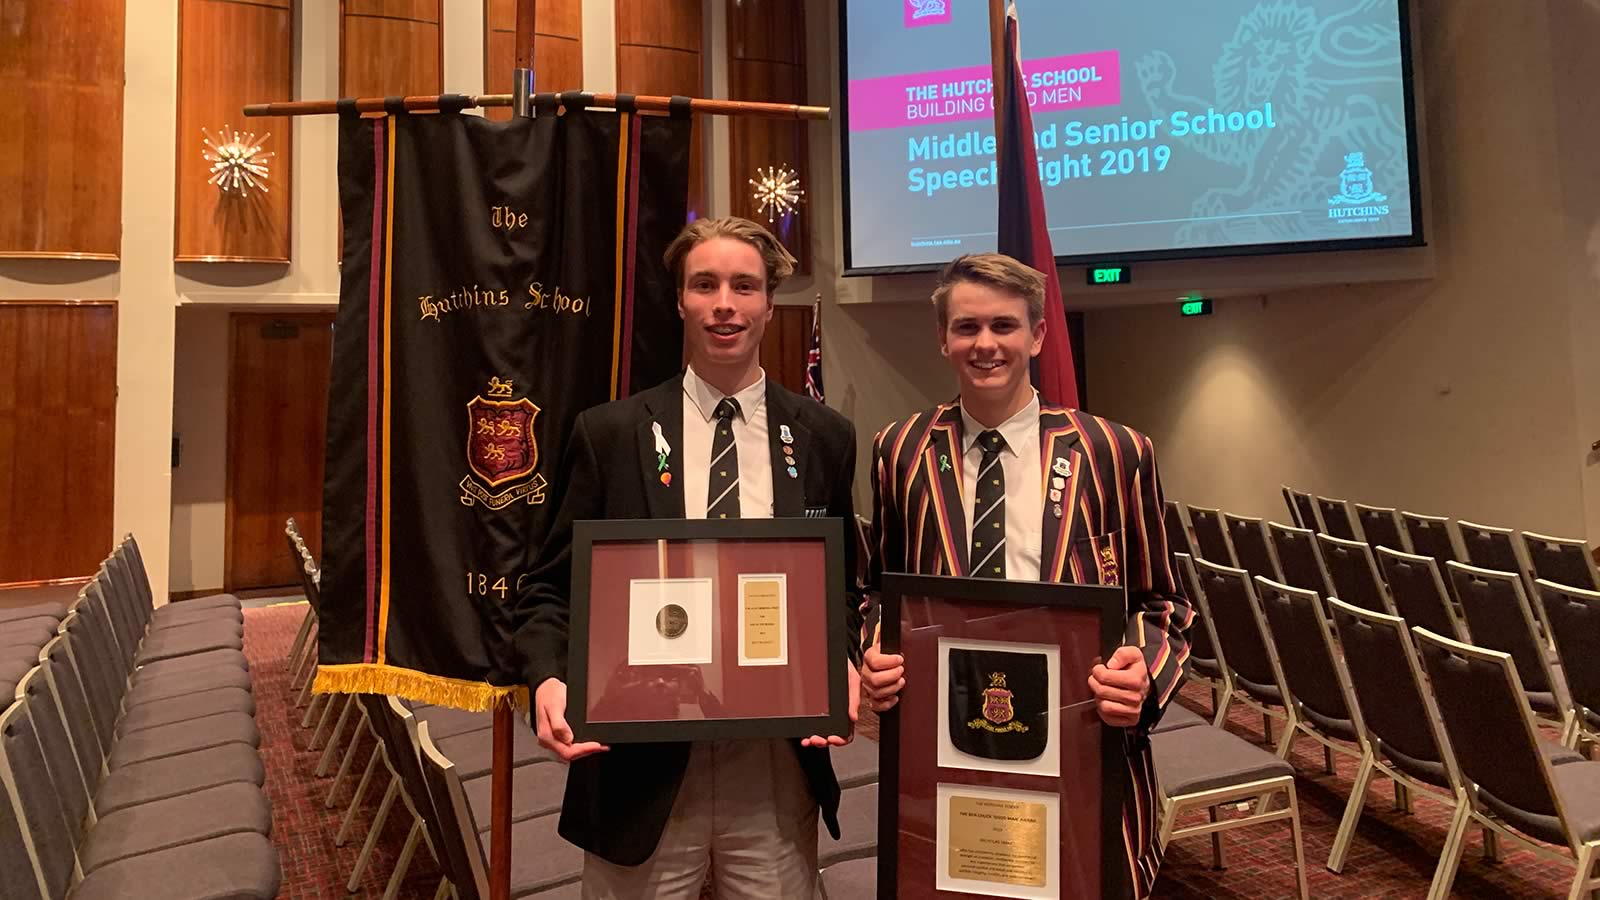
(1109, 275)
(1194, 306)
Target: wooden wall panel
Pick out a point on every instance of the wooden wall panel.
(766, 62)
(784, 346)
(277, 422)
(659, 52)
(58, 403)
(231, 53)
(557, 48)
(61, 74)
(391, 47)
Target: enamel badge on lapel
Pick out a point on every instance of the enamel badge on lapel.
(944, 463)
(785, 435)
(1062, 468)
(663, 450)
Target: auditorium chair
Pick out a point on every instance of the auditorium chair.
(1205, 767)
(1319, 688)
(1303, 510)
(1254, 675)
(1431, 536)
(1177, 529)
(1249, 539)
(299, 556)
(1567, 561)
(1206, 663)
(1210, 539)
(1419, 593)
(1573, 615)
(855, 879)
(1500, 618)
(1299, 560)
(1337, 519)
(1381, 527)
(1353, 573)
(1513, 789)
(1492, 548)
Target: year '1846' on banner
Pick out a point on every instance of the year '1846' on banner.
(498, 279)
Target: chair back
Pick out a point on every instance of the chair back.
(1430, 536)
(1386, 678)
(1566, 561)
(142, 602)
(1288, 503)
(1490, 548)
(98, 666)
(1500, 618)
(62, 670)
(1337, 520)
(1203, 654)
(1250, 547)
(56, 748)
(1298, 627)
(1418, 592)
(1491, 730)
(463, 848)
(22, 880)
(1573, 615)
(1177, 531)
(1354, 573)
(26, 779)
(1212, 541)
(1298, 559)
(1305, 510)
(115, 591)
(130, 549)
(1240, 631)
(1381, 527)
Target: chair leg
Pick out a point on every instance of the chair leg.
(1299, 846)
(1580, 881)
(1221, 715)
(444, 889)
(344, 764)
(1327, 760)
(323, 721)
(333, 739)
(1352, 813)
(1491, 846)
(378, 822)
(1290, 729)
(301, 635)
(311, 708)
(1402, 798)
(355, 800)
(1266, 728)
(403, 864)
(1455, 841)
(1219, 860)
(1169, 819)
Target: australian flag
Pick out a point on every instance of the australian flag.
(814, 355)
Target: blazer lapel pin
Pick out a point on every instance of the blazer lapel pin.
(787, 438)
(663, 450)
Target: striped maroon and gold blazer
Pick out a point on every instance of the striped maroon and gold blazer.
(1111, 532)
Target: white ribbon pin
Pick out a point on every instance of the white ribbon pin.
(662, 447)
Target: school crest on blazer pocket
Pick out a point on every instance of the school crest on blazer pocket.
(1098, 559)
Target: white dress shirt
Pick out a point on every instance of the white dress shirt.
(750, 443)
(1024, 474)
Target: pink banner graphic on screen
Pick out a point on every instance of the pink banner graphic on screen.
(1077, 81)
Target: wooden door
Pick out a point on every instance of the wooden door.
(58, 405)
(277, 419)
(784, 346)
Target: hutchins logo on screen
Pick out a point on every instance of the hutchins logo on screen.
(1357, 201)
(926, 12)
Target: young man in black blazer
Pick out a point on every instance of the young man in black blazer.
(653, 817)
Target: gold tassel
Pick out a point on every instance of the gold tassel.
(419, 687)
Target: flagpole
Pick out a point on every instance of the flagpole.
(997, 59)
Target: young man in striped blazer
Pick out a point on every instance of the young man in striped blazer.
(995, 485)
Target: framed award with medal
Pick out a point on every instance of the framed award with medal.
(999, 778)
(699, 629)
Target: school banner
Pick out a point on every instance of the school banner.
(498, 279)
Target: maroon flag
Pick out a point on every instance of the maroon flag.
(1023, 233)
(814, 354)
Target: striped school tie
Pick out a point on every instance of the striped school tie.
(722, 495)
(989, 510)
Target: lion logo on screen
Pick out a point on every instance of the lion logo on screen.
(922, 9)
(1320, 77)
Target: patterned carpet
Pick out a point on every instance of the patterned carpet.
(1393, 855)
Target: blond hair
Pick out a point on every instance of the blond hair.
(779, 261)
(993, 270)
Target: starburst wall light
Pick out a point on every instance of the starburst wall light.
(238, 161)
(776, 190)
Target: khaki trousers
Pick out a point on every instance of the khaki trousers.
(744, 805)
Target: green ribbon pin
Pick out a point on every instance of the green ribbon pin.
(944, 463)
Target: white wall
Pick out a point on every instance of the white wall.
(1456, 396)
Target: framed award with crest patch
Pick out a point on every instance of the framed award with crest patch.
(1000, 780)
(706, 629)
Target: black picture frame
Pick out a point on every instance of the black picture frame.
(1004, 596)
(588, 532)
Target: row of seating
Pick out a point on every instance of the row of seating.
(129, 758)
(1319, 667)
(24, 630)
(438, 764)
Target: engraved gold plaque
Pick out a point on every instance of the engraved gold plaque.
(998, 841)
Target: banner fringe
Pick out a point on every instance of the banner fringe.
(419, 687)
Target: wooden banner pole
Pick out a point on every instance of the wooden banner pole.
(644, 103)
